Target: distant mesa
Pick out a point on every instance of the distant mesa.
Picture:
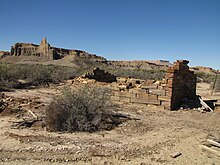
(4, 54)
(203, 69)
(46, 51)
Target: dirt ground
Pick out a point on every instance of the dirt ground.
(148, 141)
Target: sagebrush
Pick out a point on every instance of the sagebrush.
(35, 74)
(87, 108)
(205, 77)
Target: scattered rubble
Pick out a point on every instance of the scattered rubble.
(21, 109)
(100, 75)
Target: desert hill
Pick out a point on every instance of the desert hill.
(44, 53)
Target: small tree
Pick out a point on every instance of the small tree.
(87, 108)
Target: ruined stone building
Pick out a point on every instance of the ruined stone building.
(180, 85)
(178, 90)
(101, 75)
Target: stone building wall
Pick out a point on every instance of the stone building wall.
(144, 95)
(180, 84)
(179, 89)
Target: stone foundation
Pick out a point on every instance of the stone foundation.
(178, 90)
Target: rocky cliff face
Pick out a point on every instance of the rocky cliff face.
(4, 54)
(50, 53)
(46, 53)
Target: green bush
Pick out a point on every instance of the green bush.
(84, 109)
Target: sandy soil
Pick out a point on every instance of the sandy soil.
(150, 140)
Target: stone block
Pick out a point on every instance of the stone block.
(136, 90)
(115, 98)
(166, 103)
(149, 86)
(123, 93)
(157, 92)
(142, 95)
(132, 95)
(124, 99)
(154, 102)
(164, 98)
(170, 83)
(139, 100)
(152, 97)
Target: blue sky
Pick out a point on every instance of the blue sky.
(118, 29)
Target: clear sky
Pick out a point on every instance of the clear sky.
(118, 29)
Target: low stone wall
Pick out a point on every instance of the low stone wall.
(153, 94)
(179, 89)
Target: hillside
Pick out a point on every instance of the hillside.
(29, 53)
(45, 54)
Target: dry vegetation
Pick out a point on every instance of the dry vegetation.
(87, 108)
(26, 75)
(149, 140)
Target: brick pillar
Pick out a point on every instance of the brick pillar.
(180, 83)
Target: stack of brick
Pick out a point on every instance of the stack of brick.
(143, 95)
(180, 84)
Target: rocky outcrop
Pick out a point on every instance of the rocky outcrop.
(50, 53)
(4, 54)
(28, 49)
(23, 52)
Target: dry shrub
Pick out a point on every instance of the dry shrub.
(83, 109)
(217, 83)
(35, 74)
(138, 73)
(205, 77)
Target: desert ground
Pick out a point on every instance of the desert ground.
(151, 140)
